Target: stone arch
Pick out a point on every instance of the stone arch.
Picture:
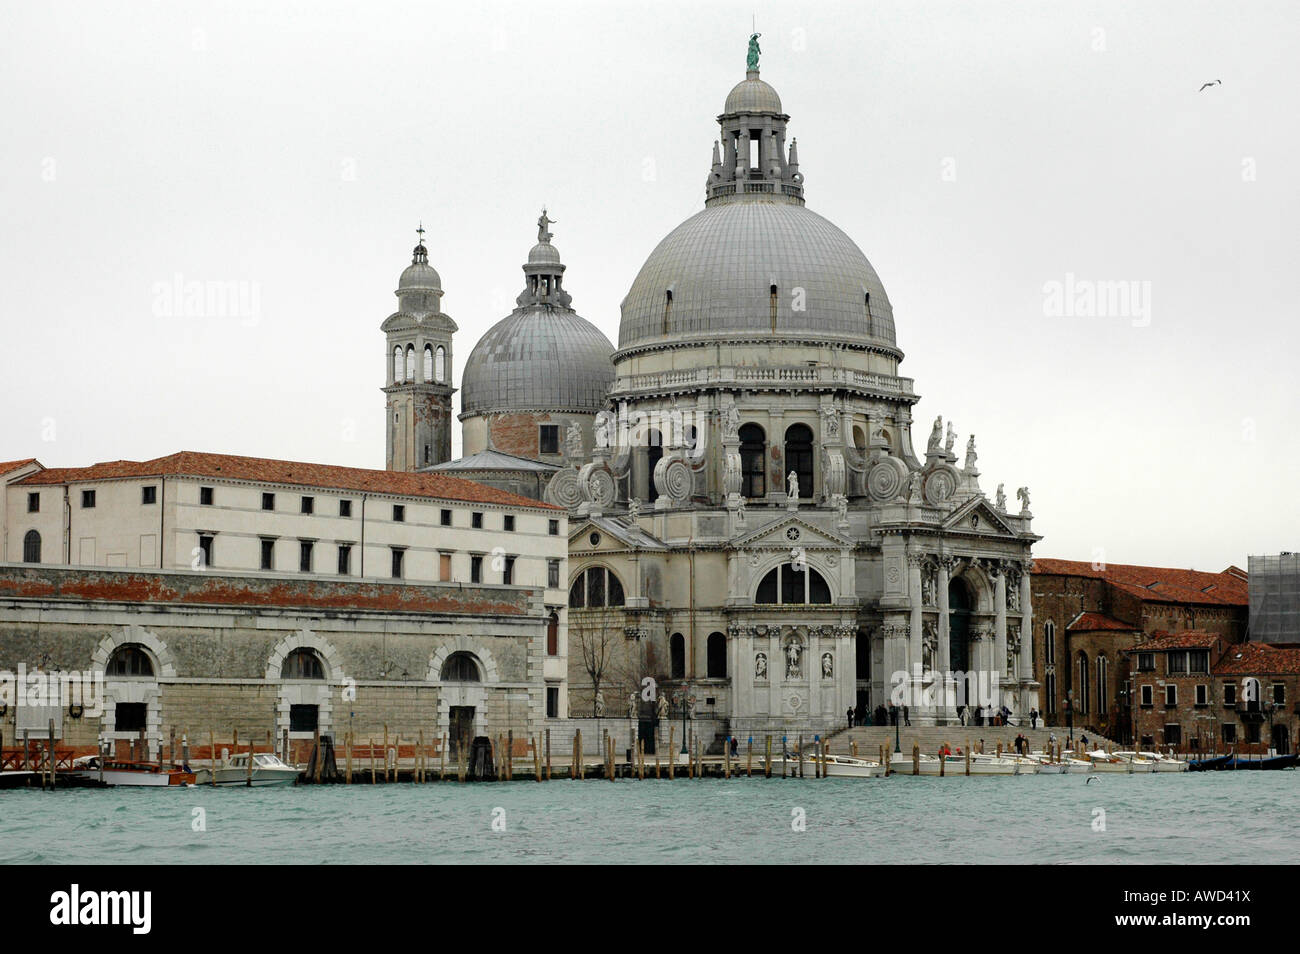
(306, 639)
(143, 690)
(164, 663)
(464, 644)
(782, 557)
(980, 586)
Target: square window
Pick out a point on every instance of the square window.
(444, 567)
(1171, 696)
(1229, 693)
(205, 496)
(1147, 697)
(304, 555)
(398, 554)
(33, 503)
(553, 573)
(1173, 734)
(476, 569)
(399, 513)
(444, 518)
(149, 495)
(508, 572)
(129, 717)
(308, 504)
(345, 560)
(345, 508)
(268, 554)
(1202, 695)
(87, 499)
(1279, 693)
(548, 438)
(268, 501)
(552, 702)
(1229, 732)
(302, 718)
(553, 527)
(509, 522)
(205, 550)
(476, 520)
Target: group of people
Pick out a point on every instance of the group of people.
(881, 715)
(984, 715)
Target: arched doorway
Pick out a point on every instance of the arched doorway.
(960, 605)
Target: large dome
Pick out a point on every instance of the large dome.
(720, 266)
(538, 360)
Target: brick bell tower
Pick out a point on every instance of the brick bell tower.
(418, 369)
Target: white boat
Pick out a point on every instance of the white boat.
(1165, 763)
(979, 765)
(126, 773)
(268, 769)
(1045, 764)
(1124, 763)
(837, 766)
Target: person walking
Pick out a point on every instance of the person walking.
(906, 720)
(850, 717)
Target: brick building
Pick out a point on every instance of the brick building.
(1196, 691)
(1087, 616)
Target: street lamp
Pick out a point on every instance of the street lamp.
(685, 715)
(1069, 715)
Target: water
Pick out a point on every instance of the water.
(1214, 817)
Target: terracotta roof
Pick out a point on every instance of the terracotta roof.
(1260, 658)
(267, 471)
(1156, 584)
(12, 465)
(1092, 622)
(1187, 639)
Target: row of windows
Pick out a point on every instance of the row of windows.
(1173, 735)
(715, 652)
(131, 659)
(306, 505)
(435, 364)
(1177, 662)
(785, 585)
(1146, 695)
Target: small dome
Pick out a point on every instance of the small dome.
(544, 253)
(420, 275)
(538, 359)
(752, 95)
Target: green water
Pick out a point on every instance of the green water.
(1175, 819)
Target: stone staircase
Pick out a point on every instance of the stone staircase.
(930, 738)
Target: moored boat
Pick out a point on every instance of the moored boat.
(126, 773)
(1126, 763)
(267, 770)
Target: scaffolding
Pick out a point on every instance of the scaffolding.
(1275, 598)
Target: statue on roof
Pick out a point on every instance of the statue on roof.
(544, 233)
(751, 62)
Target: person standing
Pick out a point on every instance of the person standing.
(849, 716)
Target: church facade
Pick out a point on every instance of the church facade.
(755, 532)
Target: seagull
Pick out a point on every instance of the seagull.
(1208, 85)
(1091, 779)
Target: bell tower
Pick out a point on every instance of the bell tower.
(418, 363)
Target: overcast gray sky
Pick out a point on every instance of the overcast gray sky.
(977, 152)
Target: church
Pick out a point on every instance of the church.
(756, 536)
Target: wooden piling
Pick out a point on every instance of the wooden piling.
(548, 755)
(767, 757)
(801, 756)
(968, 756)
(510, 755)
(372, 760)
(248, 769)
(347, 757)
(537, 758)
(212, 756)
(670, 752)
(943, 759)
(442, 759)
(320, 756)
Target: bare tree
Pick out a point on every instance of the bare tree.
(596, 636)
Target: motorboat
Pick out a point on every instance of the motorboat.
(1128, 763)
(836, 766)
(268, 769)
(980, 764)
(1164, 763)
(128, 773)
(1047, 765)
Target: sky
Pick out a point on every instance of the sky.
(1089, 257)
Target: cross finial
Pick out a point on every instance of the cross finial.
(420, 231)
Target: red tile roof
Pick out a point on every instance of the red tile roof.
(9, 466)
(1155, 584)
(1259, 658)
(1187, 639)
(267, 471)
(1093, 622)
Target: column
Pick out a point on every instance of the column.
(944, 655)
(1026, 625)
(914, 650)
(1000, 622)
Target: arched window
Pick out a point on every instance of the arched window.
(1049, 642)
(428, 362)
(654, 453)
(791, 585)
(302, 664)
(397, 365)
(753, 462)
(31, 547)
(553, 634)
(1081, 691)
(460, 667)
(129, 659)
(677, 655)
(595, 587)
(440, 365)
(410, 362)
(717, 653)
(799, 456)
(1102, 666)
(859, 438)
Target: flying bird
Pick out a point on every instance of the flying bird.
(1208, 85)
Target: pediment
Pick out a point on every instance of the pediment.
(978, 516)
(792, 531)
(613, 535)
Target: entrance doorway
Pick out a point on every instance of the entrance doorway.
(959, 625)
(1281, 740)
(461, 732)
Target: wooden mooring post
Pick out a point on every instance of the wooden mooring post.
(968, 756)
(767, 757)
(548, 755)
(670, 752)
